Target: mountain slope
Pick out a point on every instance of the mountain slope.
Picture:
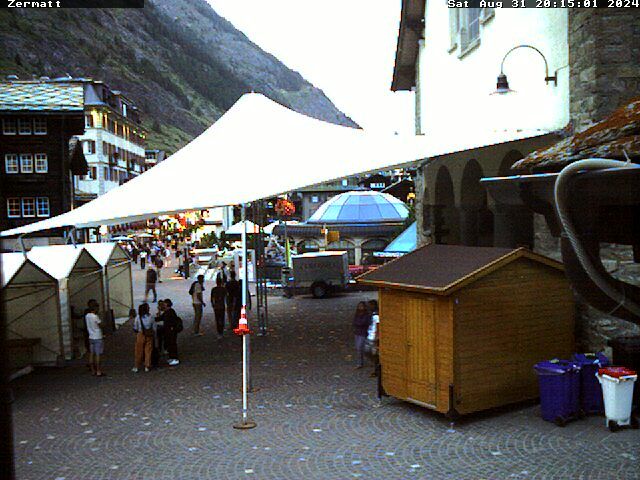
(179, 61)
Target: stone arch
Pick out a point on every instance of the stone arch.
(345, 244)
(445, 215)
(476, 220)
(513, 226)
(507, 161)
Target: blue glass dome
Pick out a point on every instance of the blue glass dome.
(361, 207)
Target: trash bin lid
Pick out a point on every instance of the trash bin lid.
(556, 367)
(598, 358)
(616, 372)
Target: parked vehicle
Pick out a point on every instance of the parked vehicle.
(321, 272)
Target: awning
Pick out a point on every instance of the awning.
(263, 149)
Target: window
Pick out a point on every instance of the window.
(124, 109)
(42, 163)
(89, 146)
(9, 126)
(24, 126)
(105, 148)
(469, 27)
(28, 207)
(26, 163)
(11, 163)
(13, 207)
(92, 174)
(345, 182)
(105, 173)
(42, 206)
(454, 28)
(88, 121)
(315, 199)
(40, 126)
(380, 185)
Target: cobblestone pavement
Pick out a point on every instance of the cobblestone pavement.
(317, 417)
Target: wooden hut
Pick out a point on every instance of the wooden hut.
(461, 327)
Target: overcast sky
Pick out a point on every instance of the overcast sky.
(344, 47)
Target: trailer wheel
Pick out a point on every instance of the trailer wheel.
(319, 290)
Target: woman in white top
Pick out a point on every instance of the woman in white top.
(145, 328)
(373, 336)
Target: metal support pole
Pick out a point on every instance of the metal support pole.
(246, 423)
(7, 466)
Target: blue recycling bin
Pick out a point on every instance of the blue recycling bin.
(591, 400)
(559, 382)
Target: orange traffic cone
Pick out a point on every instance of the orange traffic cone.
(243, 327)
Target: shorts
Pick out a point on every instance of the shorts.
(96, 346)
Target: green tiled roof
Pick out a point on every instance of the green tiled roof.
(41, 97)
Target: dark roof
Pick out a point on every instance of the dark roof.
(409, 34)
(364, 230)
(441, 268)
(615, 137)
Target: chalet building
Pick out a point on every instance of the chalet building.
(113, 141)
(39, 162)
(537, 75)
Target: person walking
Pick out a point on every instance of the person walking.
(361, 323)
(145, 329)
(135, 252)
(143, 258)
(96, 338)
(152, 278)
(218, 301)
(172, 327)
(196, 291)
(159, 265)
(222, 273)
(234, 300)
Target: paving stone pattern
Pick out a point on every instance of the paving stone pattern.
(317, 417)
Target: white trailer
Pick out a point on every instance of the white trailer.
(321, 272)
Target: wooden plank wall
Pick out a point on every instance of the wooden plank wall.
(505, 323)
(416, 347)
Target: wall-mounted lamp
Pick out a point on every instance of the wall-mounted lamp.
(502, 85)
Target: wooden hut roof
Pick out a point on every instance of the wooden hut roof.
(442, 269)
(615, 137)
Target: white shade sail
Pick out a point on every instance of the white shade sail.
(239, 227)
(267, 149)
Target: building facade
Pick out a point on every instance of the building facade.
(547, 72)
(39, 162)
(113, 140)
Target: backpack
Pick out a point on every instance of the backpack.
(179, 325)
(192, 288)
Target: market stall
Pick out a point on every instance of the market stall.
(118, 287)
(33, 316)
(79, 277)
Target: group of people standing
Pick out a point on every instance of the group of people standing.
(226, 300)
(155, 336)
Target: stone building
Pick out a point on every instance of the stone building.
(569, 68)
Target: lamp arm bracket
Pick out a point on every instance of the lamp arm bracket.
(547, 78)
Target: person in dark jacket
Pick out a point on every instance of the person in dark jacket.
(361, 324)
(218, 300)
(152, 278)
(234, 300)
(172, 327)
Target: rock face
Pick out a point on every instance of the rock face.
(181, 63)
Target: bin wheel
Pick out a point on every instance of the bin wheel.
(560, 421)
(613, 426)
(634, 422)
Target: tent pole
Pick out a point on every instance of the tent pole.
(7, 466)
(246, 423)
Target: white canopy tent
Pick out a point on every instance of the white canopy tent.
(272, 150)
(79, 278)
(237, 228)
(117, 280)
(30, 297)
